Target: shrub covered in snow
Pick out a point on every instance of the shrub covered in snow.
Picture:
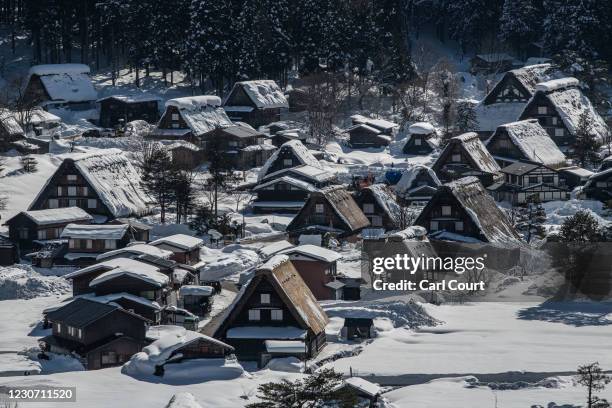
(22, 282)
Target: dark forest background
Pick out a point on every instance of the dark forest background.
(226, 40)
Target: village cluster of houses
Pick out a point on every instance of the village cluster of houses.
(127, 286)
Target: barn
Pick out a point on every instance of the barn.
(255, 102)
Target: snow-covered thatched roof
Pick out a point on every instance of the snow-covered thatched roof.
(533, 141)
(385, 199)
(471, 145)
(113, 177)
(150, 275)
(202, 114)
(133, 251)
(490, 117)
(375, 124)
(482, 209)
(181, 241)
(313, 251)
(570, 103)
(410, 175)
(421, 128)
(9, 123)
(303, 185)
(300, 151)
(66, 82)
(264, 93)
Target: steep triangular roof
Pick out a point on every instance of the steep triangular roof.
(300, 151)
(410, 174)
(527, 77)
(533, 141)
(474, 199)
(290, 287)
(386, 200)
(569, 102)
(264, 93)
(472, 146)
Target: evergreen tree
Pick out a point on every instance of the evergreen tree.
(519, 23)
(580, 227)
(585, 148)
(184, 194)
(169, 30)
(467, 120)
(470, 20)
(316, 390)
(159, 176)
(201, 220)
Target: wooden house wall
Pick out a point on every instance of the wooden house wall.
(502, 145)
(446, 159)
(433, 212)
(80, 284)
(360, 137)
(124, 347)
(316, 274)
(364, 197)
(23, 222)
(282, 191)
(181, 256)
(97, 245)
(254, 302)
(550, 120)
(309, 217)
(140, 309)
(115, 322)
(112, 110)
(166, 121)
(247, 159)
(130, 285)
(60, 179)
(285, 153)
(411, 148)
(508, 90)
(35, 91)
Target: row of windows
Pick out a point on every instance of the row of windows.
(435, 226)
(73, 202)
(88, 244)
(275, 314)
(71, 331)
(72, 191)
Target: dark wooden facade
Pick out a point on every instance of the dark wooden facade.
(530, 182)
(132, 285)
(362, 136)
(9, 254)
(329, 210)
(121, 110)
(103, 335)
(68, 188)
(541, 108)
(418, 144)
(244, 148)
(378, 215)
(241, 108)
(23, 230)
(276, 297)
(281, 195)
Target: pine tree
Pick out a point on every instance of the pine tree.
(159, 176)
(470, 20)
(519, 23)
(585, 147)
(580, 227)
(467, 120)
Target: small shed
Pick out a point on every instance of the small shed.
(197, 299)
(117, 110)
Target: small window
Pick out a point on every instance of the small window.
(148, 294)
(53, 203)
(456, 158)
(533, 180)
(71, 331)
(548, 179)
(72, 203)
(71, 244)
(109, 357)
(175, 116)
(80, 334)
(110, 244)
(368, 208)
(417, 141)
(71, 177)
(559, 132)
(42, 234)
(319, 208)
(232, 143)
(601, 184)
(287, 162)
(92, 203)
(59, 327)
(447, 210)
(276, 314)
(23, 233)
(254, 315)
(72, 191)
(84, 191)
(433, 226)
(554, 120)
(175, 125)
(59, 191)
(377, 221)
(458, 225)
(542, 110)
(88, 243)
(265, 298)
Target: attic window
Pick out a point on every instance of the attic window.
(319, 209)
(71, 177)
(254, 315)
(368, 208)
(456, 157)
(276, 314)
(433, 226)
(542, 110)
(287, 162)
(417, 142)
(446, 210)
(265, 298)
(175, 116)
(559, 132)
(459, 226)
